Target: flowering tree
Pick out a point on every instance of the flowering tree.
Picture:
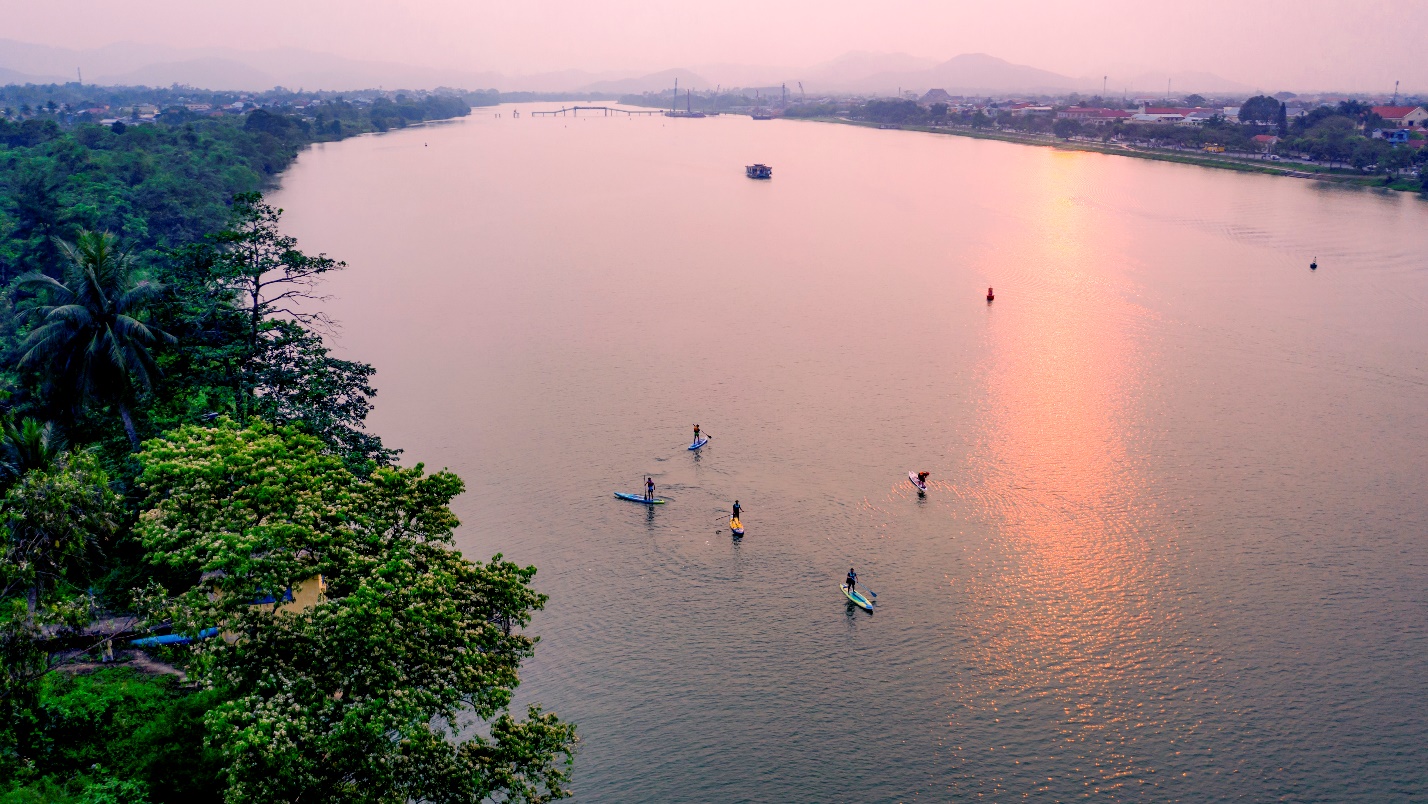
(365, 694)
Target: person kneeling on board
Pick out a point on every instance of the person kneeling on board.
(922, 477)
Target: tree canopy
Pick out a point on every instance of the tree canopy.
(408, 638)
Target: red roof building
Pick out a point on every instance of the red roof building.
(1402, 116)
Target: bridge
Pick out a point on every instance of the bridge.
(608, 110)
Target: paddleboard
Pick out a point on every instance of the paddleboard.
(736, 526)
(639, 498)
(856, 597)
(701, 442)
(921, 486)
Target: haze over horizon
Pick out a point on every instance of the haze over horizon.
(1270, 46)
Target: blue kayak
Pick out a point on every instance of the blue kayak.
(639, 498)
(701, 442)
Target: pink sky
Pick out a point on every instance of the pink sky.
(1361, 45)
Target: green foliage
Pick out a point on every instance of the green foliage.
(1066, 129)
(893, 111)
(805, 110)
(1260, 109)
(55, 520)
(266, 275)
(385, 678)
(409, 638)
(90, 342)
(300, 382)
(30, 445)
(145, 733)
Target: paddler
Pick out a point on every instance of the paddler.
(852, 580)
(649, 488)
(696, 434)
(922, 477)
(737, 510)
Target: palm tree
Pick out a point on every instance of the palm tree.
(89, 340)
(29, 445)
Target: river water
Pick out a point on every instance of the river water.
(1174, 544)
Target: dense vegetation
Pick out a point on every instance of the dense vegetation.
(181, 455)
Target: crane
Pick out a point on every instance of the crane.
(801, 97)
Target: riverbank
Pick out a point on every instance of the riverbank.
(1296, 170)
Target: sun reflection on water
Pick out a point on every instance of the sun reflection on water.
(1068, 600)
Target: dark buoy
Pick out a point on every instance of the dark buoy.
(1314, 266)
(990, 294)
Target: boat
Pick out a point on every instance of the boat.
(701, 442)
(856, 597)
(639, 498)
(921, 485)
(736, 526)
(758, 171)
(761, 116)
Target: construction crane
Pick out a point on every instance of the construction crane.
(801, 97)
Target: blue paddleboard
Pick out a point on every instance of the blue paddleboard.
(701, 442)
(639, 498)
(856, 597)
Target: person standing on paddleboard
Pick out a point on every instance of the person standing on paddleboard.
(696, 434)
(852, 580)
(649, 488)
(737, 510)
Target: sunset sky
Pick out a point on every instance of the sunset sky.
(1361, 45)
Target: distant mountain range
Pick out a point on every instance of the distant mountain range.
(858, 71)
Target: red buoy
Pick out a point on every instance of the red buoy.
(990, 294)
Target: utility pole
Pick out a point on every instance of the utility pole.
(1395, 94)
(1104, 79)
(79, 72)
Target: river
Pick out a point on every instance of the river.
(1174, 544)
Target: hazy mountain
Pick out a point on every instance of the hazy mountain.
(225, 68)
(969, 74)
(209, 73)
(8, 76)
(858, 71)
(654, 82)
(851, 68)
(1180, 83)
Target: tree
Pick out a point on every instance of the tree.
(298, 381)
(1066, 128)
(1194, 100)
(28, 446)
(270, 277)
(1283, 120)
(1260, 109)
(90, 341)
(352, 698)
(51, 518)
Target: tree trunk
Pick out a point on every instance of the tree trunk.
(129, 427)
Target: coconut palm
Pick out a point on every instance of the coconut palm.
(88, 339)
(26, 446)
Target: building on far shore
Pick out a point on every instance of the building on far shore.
(1093, 116)
(1402, 116)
